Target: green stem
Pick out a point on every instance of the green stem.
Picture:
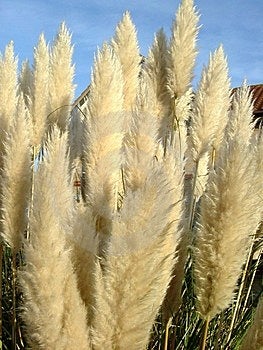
(205, 333)
(167, 327)
(241, 287)
(1, 291)
(14, 301)
(252, 280)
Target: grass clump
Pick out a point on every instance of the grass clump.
(132, 221)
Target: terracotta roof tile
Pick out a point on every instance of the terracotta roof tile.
(257, 92)
(257, 95)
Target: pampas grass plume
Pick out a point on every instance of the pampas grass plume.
(230, 213)
(61, 88)
(104, 132)
(40, 91)
(182, 50)
(8, 89)
(140, 147)
(83, 242)
(25, 82)
(211, 105)
(126, 47)
(156, 69)
(15, 178)
(132, 280)
(54, 313)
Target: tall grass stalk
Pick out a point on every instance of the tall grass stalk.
(240, 290)
(1, 292)
(207, 321)
(254, 339)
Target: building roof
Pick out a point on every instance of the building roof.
(82, 98)
(257, 91)
(257, 94)
(257, 97)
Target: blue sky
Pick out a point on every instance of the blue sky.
(237, 24)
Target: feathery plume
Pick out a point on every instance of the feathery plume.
(146, 99)
(60, 166)
(173, 166)
(8, 89)
(181, 59)
(229, 214)
(180, 65)
(84, 245)
(173, 298)
(211, 105)
(242, 109)
(182, 112)
(104, 134)
(40, 91)
(132, 279)
(140, 147)
(126, 47)
(61, 79)
(156, 70)
(202, 175)
(254, 337)
(25, 82)
(15, 179)
(53, 313)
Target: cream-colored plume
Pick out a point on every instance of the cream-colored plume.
(229, 216)
(61, 88)
(242, 109)
(53, 312)
(211, 105)
(132, 279)
(83, 243)
(173, 166)
(104, 134)
(126, 47)
(156, 69)
(182, 51)
(8, 90)
(40, 91)
(140, 147)
(15, 178)
(25, 82)
(181, 56)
